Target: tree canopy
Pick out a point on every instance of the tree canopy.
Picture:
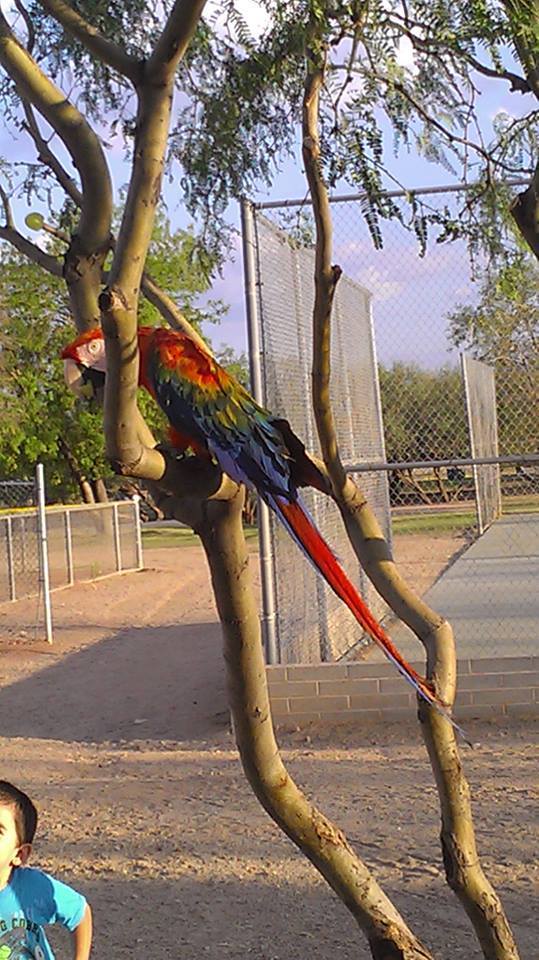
(397, 78)
(41, 420)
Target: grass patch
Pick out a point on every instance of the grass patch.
(455, 523)
(181, 536)
(521, 504)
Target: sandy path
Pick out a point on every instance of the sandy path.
(120, 733)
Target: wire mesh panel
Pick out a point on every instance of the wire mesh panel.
(422, 301)
(82, 543)
(480, 389)
(127, 534)
(92, 533)
(19, 556)
(17, 493)
(312, 624)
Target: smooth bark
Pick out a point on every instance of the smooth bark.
(316, 836)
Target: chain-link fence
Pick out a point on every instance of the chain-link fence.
(63, 545)
(17, 493)
(429, 466)
(310, 621)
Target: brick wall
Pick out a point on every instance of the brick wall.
(372, 691)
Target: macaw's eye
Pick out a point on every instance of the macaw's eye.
(94, 346)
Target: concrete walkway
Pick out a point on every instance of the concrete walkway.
(490, 594)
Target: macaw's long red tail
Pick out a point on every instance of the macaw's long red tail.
(304, 532)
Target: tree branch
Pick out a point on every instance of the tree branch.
(517, 83)
(326, 277)
(463, 869)
(175, 38)
(525, 212)
(447, 134)
(29, 25)
(120, 301)
(169, 310)
(155, 91)
(432, 47)
(317, 837)
(523, 16)
(80, 140)
(9, 233)
(46, 156)
(102, 49)
(30, 250)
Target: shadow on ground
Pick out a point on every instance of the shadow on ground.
(265, 917)
(134, 685)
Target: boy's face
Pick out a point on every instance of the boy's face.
(12, 852)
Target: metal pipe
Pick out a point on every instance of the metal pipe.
(43, 550)
(138, 533)
(481, 526)
(116, 530)
(426, 464)
(415, 191)
(269, 624)
(69, 548)
(10, 563)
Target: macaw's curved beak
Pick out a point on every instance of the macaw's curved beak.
(73, 377)
(82, 381)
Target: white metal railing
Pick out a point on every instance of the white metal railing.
(44, 549)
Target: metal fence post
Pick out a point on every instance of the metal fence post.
(10, 564)
(253, 336)
(69, 547)
(138, 532)
(43, 550)
(117, 545)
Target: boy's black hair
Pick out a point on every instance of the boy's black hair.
(24, 811)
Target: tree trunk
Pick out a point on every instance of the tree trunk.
(320, 840)
(440, 483)
(525, 212)
(82, 482)
(100, 490)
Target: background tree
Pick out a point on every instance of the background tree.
(424, 419)
(37, 413)
(41, 420)
(503, 330)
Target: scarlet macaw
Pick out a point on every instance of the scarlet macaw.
(209, 410)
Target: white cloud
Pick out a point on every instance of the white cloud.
(379, 284)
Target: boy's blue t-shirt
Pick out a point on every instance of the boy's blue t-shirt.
(31, 900)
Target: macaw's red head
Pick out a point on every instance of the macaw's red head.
(85, 361)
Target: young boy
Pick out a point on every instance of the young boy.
(29, 898)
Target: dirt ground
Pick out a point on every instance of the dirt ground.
(120, 732)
